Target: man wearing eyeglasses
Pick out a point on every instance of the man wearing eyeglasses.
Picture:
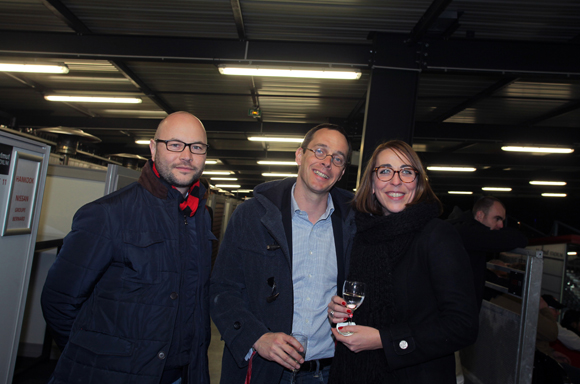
(127, 297)
(284, 254)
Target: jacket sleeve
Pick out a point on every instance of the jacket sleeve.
(478, 237)
(233, 300)
(84, 257)
(454, 323)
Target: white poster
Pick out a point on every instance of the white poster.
(22, 197)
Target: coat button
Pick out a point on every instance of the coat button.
(161, 355)
(173, 295)
(403, 344)
(237, 325)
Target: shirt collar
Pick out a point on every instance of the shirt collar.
(295, 208)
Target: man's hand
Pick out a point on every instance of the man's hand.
(280, 348)
(561, 358)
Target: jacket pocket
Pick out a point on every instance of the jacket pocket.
(101, 344)
(142, 256)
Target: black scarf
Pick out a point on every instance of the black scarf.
(379, 245)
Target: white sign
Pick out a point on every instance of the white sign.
(22, 197)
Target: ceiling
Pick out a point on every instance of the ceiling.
(491, 73)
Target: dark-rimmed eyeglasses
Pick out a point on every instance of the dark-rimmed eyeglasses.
(179, 146)
(321, 154)
(407, 175)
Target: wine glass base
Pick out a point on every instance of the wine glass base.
(344, 325)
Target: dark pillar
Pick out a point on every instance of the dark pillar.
(390, 110)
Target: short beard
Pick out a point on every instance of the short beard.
(169, 178)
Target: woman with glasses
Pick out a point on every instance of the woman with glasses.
(419, 305)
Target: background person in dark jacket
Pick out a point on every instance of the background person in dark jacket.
(127, 298)
(484, 235)
(282, 258)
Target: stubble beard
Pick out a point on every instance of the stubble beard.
(167, 175)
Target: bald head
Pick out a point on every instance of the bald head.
(180, 118)
(179, 168)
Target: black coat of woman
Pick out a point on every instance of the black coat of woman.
(419, 305)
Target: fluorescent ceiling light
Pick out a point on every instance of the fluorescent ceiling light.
(267, 162)
(280, 174)
(291, 72)
(280, 139)
(143, 142)
(228, 185)
(34, 68)
(218, 173)
(452, 169)
(572, 253)
(211, 162)
(225, 178)
(94, 99)
(534, 182)
(243, 190)
(554, 194)
(460, 192)
(537, 149)
(498, 189)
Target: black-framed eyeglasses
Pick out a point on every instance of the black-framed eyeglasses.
(321, 154)
(179, 146)
(407, 175)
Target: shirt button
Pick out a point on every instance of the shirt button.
(161, 355)
(173, 295)
(237, 325)
(403, 344)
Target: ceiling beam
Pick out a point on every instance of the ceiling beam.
(568, 107)
(476, 98)
(65, 15)
(443, 55)
(429, 17)
(238, 19)
(136, 80)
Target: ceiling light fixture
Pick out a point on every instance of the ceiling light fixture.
(554, 194)
(243, 190)
(310, 73)
(218, 173)
(558, 183)
(452, 169)
(143, 142)
(537, 149)
(267, 162)
(224, 178)
(460, 192)
(279, 174)
(94, 99)
(34, 68)
(572, 253)
(211, 162)
(497, 189)
(279, 139)
(228, 185)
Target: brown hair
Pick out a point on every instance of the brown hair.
(310, 135)
(364, 199)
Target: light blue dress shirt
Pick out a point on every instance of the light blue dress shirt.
(314, 273)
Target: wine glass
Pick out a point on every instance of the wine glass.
(303, 340)
(353, 293)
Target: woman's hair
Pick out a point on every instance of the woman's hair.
(365, 200)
